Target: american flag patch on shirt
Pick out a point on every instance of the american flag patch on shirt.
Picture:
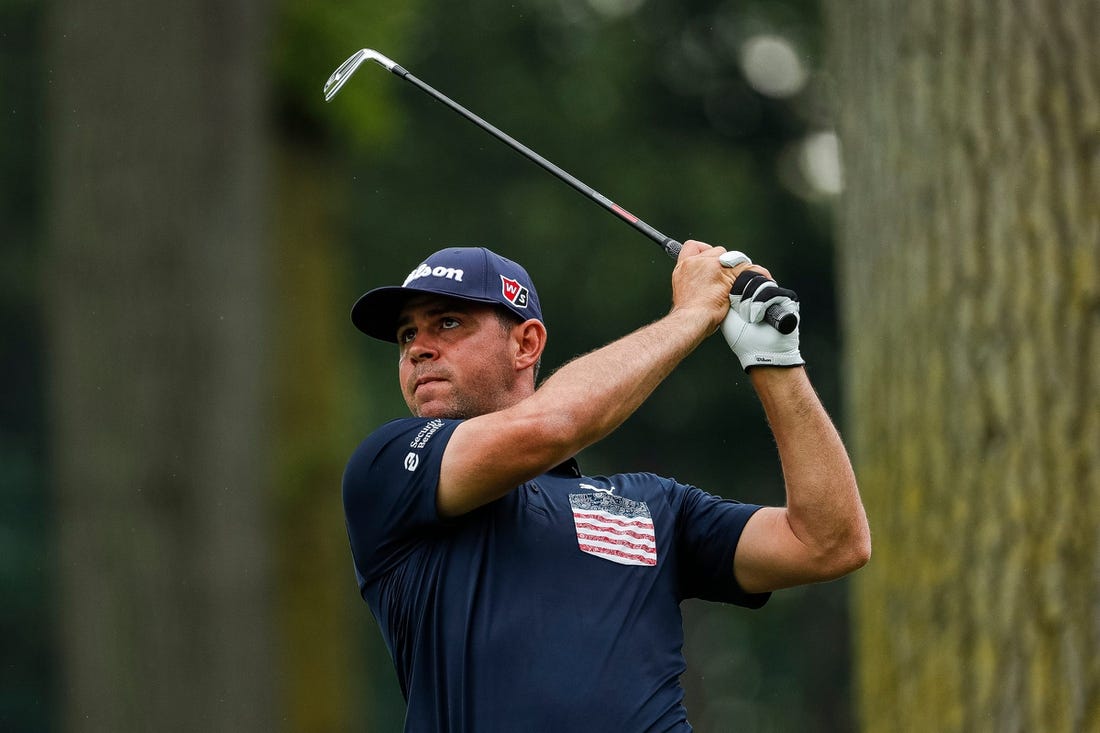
(614, 528)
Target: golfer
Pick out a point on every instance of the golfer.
(516, 593)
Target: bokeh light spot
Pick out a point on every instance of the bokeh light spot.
(772, 66)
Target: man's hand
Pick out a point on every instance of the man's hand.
(701, 284)
(754, 342)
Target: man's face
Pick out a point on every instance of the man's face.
(456, 358)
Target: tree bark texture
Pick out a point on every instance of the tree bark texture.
(157, 292)
(970, 264)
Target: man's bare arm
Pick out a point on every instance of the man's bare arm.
(822, 533)
(587, 398)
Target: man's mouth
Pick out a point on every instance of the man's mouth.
(421, 381)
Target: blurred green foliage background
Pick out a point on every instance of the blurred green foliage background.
(661, 106)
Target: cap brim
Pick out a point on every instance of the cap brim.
(375, 313)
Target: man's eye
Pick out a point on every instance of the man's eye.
(404, 337)
(450, 322)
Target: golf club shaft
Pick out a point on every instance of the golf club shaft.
(783, 318)
(668, 244)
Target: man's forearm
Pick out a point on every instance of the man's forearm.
(579, 404)
(595, 393)
(587, 398)
(824, 509)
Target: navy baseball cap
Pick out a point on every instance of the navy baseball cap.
(469, 273)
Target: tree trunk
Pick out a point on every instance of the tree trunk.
(157, 292)
(970, 261)
(320, 616)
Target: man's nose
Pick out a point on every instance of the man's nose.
(422, 348)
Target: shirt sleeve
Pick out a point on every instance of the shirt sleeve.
(708, 530)
(389, 491)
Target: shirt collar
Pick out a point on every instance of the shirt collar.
(570, 468)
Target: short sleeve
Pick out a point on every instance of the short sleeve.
(709, 528)
(389, 491)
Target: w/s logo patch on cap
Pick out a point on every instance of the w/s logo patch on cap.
(513, 291)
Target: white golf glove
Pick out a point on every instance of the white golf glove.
(754, 342)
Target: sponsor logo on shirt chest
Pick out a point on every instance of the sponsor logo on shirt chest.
(412, 459)
(426, 433)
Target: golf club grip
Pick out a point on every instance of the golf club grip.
(783, 317)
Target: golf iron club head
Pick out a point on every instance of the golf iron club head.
(346, 69)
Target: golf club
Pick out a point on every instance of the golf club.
(781, 316)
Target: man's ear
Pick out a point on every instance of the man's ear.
(530, 339)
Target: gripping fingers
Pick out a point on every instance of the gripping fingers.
(775, 306)
(753, 294)
(733, 258)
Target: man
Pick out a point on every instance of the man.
(515, 593)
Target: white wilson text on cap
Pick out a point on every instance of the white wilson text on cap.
(423, 270)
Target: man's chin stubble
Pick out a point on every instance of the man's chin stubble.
(454, 412)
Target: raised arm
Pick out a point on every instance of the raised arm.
(822, 533)
(587, 398)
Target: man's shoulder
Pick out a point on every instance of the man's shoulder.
(400, 444)
(415, 432)
(400, 425)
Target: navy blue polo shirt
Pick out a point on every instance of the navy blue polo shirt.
(555, 608)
